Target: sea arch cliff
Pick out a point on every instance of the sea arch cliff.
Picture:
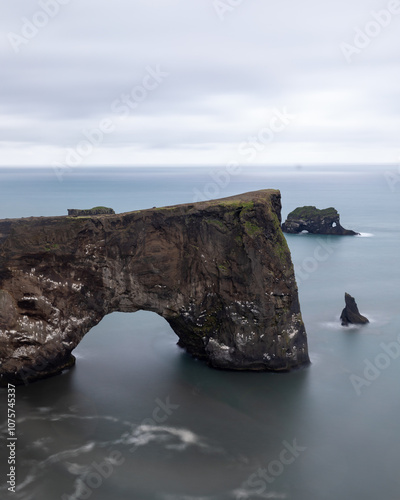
(219, 272)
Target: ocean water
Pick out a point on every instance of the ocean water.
(138, 418)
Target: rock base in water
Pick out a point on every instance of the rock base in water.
(313, 220)
(351, 314)
(219, 272)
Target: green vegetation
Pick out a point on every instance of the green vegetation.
(244, 205)
(239, 240)
(162, 208)
(74, 212)
(281, 248)
(54, 246)
(224, 268)
(217, 223)
(211, 322)
(209, 326)
(252, 229)
(276, 223)
(312, 212)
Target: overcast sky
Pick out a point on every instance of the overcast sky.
(199, 82)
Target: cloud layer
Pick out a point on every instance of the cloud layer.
(186, 83)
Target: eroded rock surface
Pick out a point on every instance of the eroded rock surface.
(351, 314)
(219, 272)
(316, 221)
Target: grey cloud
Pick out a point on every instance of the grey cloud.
(263, 55)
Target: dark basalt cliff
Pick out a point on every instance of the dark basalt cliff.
(313, 220)
(351, 314)
(219, 272)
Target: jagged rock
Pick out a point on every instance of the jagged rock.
(313, 220)
(351, 314)
(219, 272)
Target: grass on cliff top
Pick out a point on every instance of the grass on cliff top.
(309, 212)
(237, 204)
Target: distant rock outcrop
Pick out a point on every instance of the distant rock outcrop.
(220, 272)
(313, 220)
(351, 314)
(74, 212)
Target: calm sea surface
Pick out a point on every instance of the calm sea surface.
(139, 419)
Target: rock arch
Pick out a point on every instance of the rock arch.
(219, 272)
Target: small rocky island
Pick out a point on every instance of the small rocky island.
(351, 314)
(219, 272)
(75, 212)
(315, 221)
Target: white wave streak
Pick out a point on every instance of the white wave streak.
(42, 443)
(55, 417)
(77, 469)
(337, 325)
(80, 490)
(170, 437)
(30, 478)
(62, 455)
(57, 457)
(251, 494)
(146, 434)
(238, 494)
(186, 497)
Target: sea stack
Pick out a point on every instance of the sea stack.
(351, 314)
(315, 221)
(75, 212)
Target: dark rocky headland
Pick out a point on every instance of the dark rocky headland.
(316, 221)
(219, 272)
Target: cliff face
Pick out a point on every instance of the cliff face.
(219, 272)
(316, 221)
